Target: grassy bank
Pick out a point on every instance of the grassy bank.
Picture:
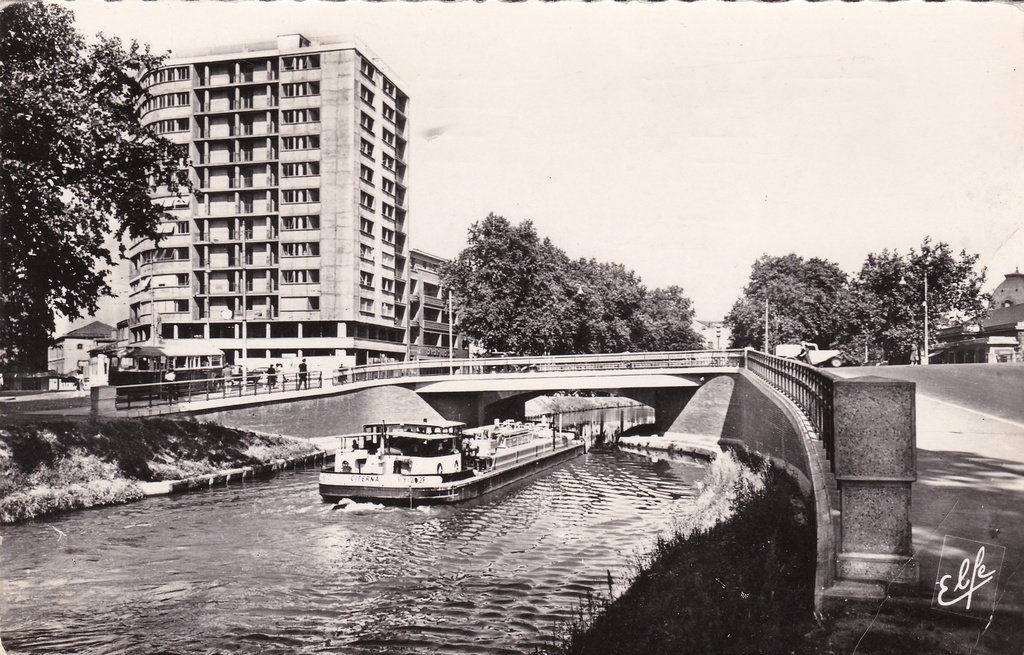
(737, 576)
(54, 466)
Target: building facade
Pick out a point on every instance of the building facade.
(432, 332)
(995, 338)
(292, 242)
(70, 352)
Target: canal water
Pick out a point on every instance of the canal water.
(608, 422)
(267, 567)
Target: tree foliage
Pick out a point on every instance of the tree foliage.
(516, 292)
(76, 170)
(880, 310)
(807, 301)
(889, 308)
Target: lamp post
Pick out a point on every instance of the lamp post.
(924, 303)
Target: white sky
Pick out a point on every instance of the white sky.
(682, 140)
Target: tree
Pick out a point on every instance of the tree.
(888, 297)
(511, 289)
(77, 168)
(608, 300)
(807, 301)
(666, 319)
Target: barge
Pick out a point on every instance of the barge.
(439, 461)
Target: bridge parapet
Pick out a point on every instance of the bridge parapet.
(867, 427)
(732, 358)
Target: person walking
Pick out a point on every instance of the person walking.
(302, 375)
(271, 377)
(172, 391)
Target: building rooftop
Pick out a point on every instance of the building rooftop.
(1010, 291)
(94, 330)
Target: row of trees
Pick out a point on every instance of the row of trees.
(75, 171)
(880, 310)
(516, 292)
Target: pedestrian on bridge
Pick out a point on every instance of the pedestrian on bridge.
(271, 377)
(302, 375)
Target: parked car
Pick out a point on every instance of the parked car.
(810, 353)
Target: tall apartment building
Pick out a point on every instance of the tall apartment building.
(293, 241)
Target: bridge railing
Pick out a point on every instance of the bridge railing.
(542, 364)
(256, 383)
(810, 388)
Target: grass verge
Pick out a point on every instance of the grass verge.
(736, 576)
(54, 466)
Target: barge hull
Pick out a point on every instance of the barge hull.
(454, 493)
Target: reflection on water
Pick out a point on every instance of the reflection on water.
(267, 567)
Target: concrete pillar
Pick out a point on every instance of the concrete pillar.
(103, 400)
(875, 466)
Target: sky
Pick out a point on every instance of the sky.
(681, 140)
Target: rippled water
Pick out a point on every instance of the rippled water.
(267, 567)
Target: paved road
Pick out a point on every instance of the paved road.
(971, 479)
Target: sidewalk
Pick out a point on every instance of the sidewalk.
(970, 484)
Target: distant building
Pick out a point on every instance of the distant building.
(997, 337)
(430, 324)
(292, 243)
(70, 353)
(714, 334)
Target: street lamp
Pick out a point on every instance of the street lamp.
(924, 303)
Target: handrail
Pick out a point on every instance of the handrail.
(810, 388)
(256, 383)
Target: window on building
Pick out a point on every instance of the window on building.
(292, 116)
(366, 121)
(366, 94)
(387, 260)
(300, 89)
(388, 161)
(388, 211)
(300, 249)
(300, 169)
(366, 174)
(367, 69)
(170, 125)
(308, 222)
(387, 310)
(181, 306)
(298, 63)
(182, 279)
(366, 279)
(366, 305)
(387, 236)
(167, 75)
(366, 148)
(300, 142)
(388, 186)
(389, 87)
(389, 113)
(366, 200)
(300, 276)
(365, 252)
(389, 137)
(291, 196)
(365, 225)
(181, 227)
(387, 285)
(80, 346)
(313, 303)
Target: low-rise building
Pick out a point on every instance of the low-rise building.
(70, 352)
(996, 337)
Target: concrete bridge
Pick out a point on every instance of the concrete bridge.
(850, 442)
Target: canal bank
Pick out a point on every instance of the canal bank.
(55, 466)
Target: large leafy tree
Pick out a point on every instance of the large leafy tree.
(608, 300)
(511, 289)
(76, 171)
(666, 320)
(807, 301)
(888, 305)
